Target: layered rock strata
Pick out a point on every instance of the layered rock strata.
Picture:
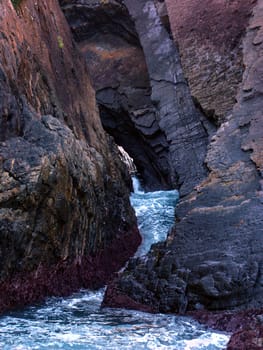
(65, 217)
(209, 35)
(107, 37)
(212, 258)
(176, 114)
(143, 103)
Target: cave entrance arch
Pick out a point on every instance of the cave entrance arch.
(147, 161)
(107, 37)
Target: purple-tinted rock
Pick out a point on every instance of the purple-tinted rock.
(212, 259)
(143, 105)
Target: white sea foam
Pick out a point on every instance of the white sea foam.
(78, 322)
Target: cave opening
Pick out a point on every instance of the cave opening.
(153, 174)
(106, 35)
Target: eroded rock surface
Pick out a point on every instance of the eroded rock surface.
(209, 35)
(177, 116)
(144, 104)
(107, 37)
(212, 258)
(246, 326)
(65, 217)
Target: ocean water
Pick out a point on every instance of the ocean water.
(78, 322)
(155, 213)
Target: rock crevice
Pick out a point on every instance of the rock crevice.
(144, 99)
(212, 258)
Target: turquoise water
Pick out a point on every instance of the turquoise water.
(78, 322)
(155, 214)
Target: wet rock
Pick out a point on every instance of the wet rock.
(65, 217)
(177, 115)
(246, 327)
(143, 105)
(252, 339)
(216, 244)
(108, 39)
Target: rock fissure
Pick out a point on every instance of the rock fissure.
(127, 99)
(220, 220)
(179, 86)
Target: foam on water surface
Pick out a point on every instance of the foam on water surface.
(78, 322)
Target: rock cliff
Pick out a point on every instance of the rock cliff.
(144, 100)
(64, 193)
(107, 37)
(183, 98)
(212, 258)
(209, 35)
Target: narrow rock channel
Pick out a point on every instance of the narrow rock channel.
(78, 322)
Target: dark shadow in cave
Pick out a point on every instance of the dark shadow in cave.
(107, 37)
(125, 134)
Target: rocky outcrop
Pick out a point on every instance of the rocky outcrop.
(143, 104)
(65, 217)
(212, 258)
(176, 114)
(251, 339)
(107, 37)
(209, 35)
(246, 326)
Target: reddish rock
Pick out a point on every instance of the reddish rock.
(115, 298)
(229, 321)
(247, 340)
(65, 216)
(64, 278)
(212, 258)
(209, 35)
(246, 326)
(40, 62)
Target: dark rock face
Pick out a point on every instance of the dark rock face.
(65, 217)
(108, 39)
(212, 259)
(177, 116)
(143, 104)
(56, 199)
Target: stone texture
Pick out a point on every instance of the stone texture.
(249, 339)
(107, 37)
(246, 326)
(143, 104)
(212, 258)
(209, 35)
(177, 116)
(65, 217)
